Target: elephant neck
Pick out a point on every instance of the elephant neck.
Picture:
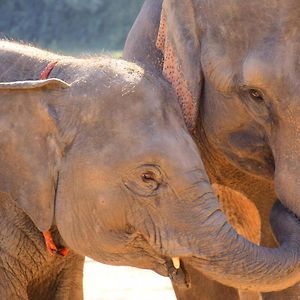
(24, 259)
(222, 172)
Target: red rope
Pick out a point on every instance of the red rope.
(46, 72)
(51, 247)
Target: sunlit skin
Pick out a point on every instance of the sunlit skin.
(239, 60)
(110, 170)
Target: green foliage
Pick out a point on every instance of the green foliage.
(69, 25)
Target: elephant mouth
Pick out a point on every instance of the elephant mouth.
(178, 275)
(159, 263)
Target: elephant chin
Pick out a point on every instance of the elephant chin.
(177, 275)
(143, 260)
(146, 258)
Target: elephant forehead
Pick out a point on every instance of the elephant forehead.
(255, 67)
(241, 21)
(246, 56)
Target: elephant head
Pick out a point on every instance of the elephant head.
(101, 159)
(234, 67)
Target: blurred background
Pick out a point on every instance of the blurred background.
(86, 27)
(70, 26)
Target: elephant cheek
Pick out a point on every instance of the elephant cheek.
(91, 224)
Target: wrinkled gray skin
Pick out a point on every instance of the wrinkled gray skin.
(102, 156)
(225, 50)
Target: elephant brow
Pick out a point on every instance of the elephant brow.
(220, 75)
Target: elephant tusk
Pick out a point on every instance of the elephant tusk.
(176, 262)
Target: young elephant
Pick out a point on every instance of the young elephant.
(84, 160)
(106, 163)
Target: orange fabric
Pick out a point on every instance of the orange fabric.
(63, 252)
(51, 247)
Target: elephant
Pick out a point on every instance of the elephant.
(75, 158)
(96, 158)
(234, 67)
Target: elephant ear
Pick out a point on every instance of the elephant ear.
(29, 147)
(179, 41)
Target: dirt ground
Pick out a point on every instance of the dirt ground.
(103, 282)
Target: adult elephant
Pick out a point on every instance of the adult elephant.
(234, 66)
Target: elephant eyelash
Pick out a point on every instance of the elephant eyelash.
(256, 95)
(252, 94)
(256, 102)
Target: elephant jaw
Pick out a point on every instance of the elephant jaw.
(172, 266)
(161, 261)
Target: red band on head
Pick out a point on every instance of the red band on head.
(46, 72)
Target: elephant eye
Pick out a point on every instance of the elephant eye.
(148, 176)
(257, 102)
(144, 180)
(151, 180)
(256, 95)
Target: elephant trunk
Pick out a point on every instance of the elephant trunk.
(216, 249)
(228, 258)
